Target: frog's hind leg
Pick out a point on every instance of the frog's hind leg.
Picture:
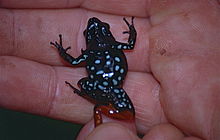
(87, 87)
(84, 84)
(75, 90)
(121, 108)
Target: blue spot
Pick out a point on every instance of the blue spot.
(124, 104)
(97, 61)
(120, 105)
(85, 56)
(117, 68)
(123, 95)
(107, 75)
(108, 62)
(107, 56)
(121, 70)
(92, 68)
(105, 83)
(116, 90)
(100, 87)
(119, 46)
(119, 78)
(117, 59)
(114, 82)
(74, 62)
(91, 76)
(124, 47)
(100, 72)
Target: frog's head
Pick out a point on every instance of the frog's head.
(97, 32)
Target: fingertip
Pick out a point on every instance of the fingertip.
(165, 132)
(109, 131)
(89, 129)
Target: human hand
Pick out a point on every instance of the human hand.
(173, 77)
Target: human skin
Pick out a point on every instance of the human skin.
(174, 70)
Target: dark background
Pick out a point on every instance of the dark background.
(22, 126)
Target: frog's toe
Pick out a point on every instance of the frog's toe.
(125, 20)
(75, 90)
(126, 32)
(53, 44)
(67, 48)
(132, 20)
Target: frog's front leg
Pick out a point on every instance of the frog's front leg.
(132, 37)
(67, 57)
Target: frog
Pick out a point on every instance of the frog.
(107, 67)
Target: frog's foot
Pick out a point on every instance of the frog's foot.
(131, 26)
(75, 90)
(132, 33)
(59, 46)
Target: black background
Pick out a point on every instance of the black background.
(23, 126)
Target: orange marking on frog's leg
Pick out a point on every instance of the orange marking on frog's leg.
(97, 116)
(110, 111)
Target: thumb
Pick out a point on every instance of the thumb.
(111, 131)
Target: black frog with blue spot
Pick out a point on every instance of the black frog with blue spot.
(106, 65)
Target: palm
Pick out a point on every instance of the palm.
(173, 70)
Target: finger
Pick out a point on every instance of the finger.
(167, 132)
(116, 131)
(130, 8)
(191, 138)
(40, 89)
(108, 131)
(164, 132)
(28, 35)
(183, 44)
